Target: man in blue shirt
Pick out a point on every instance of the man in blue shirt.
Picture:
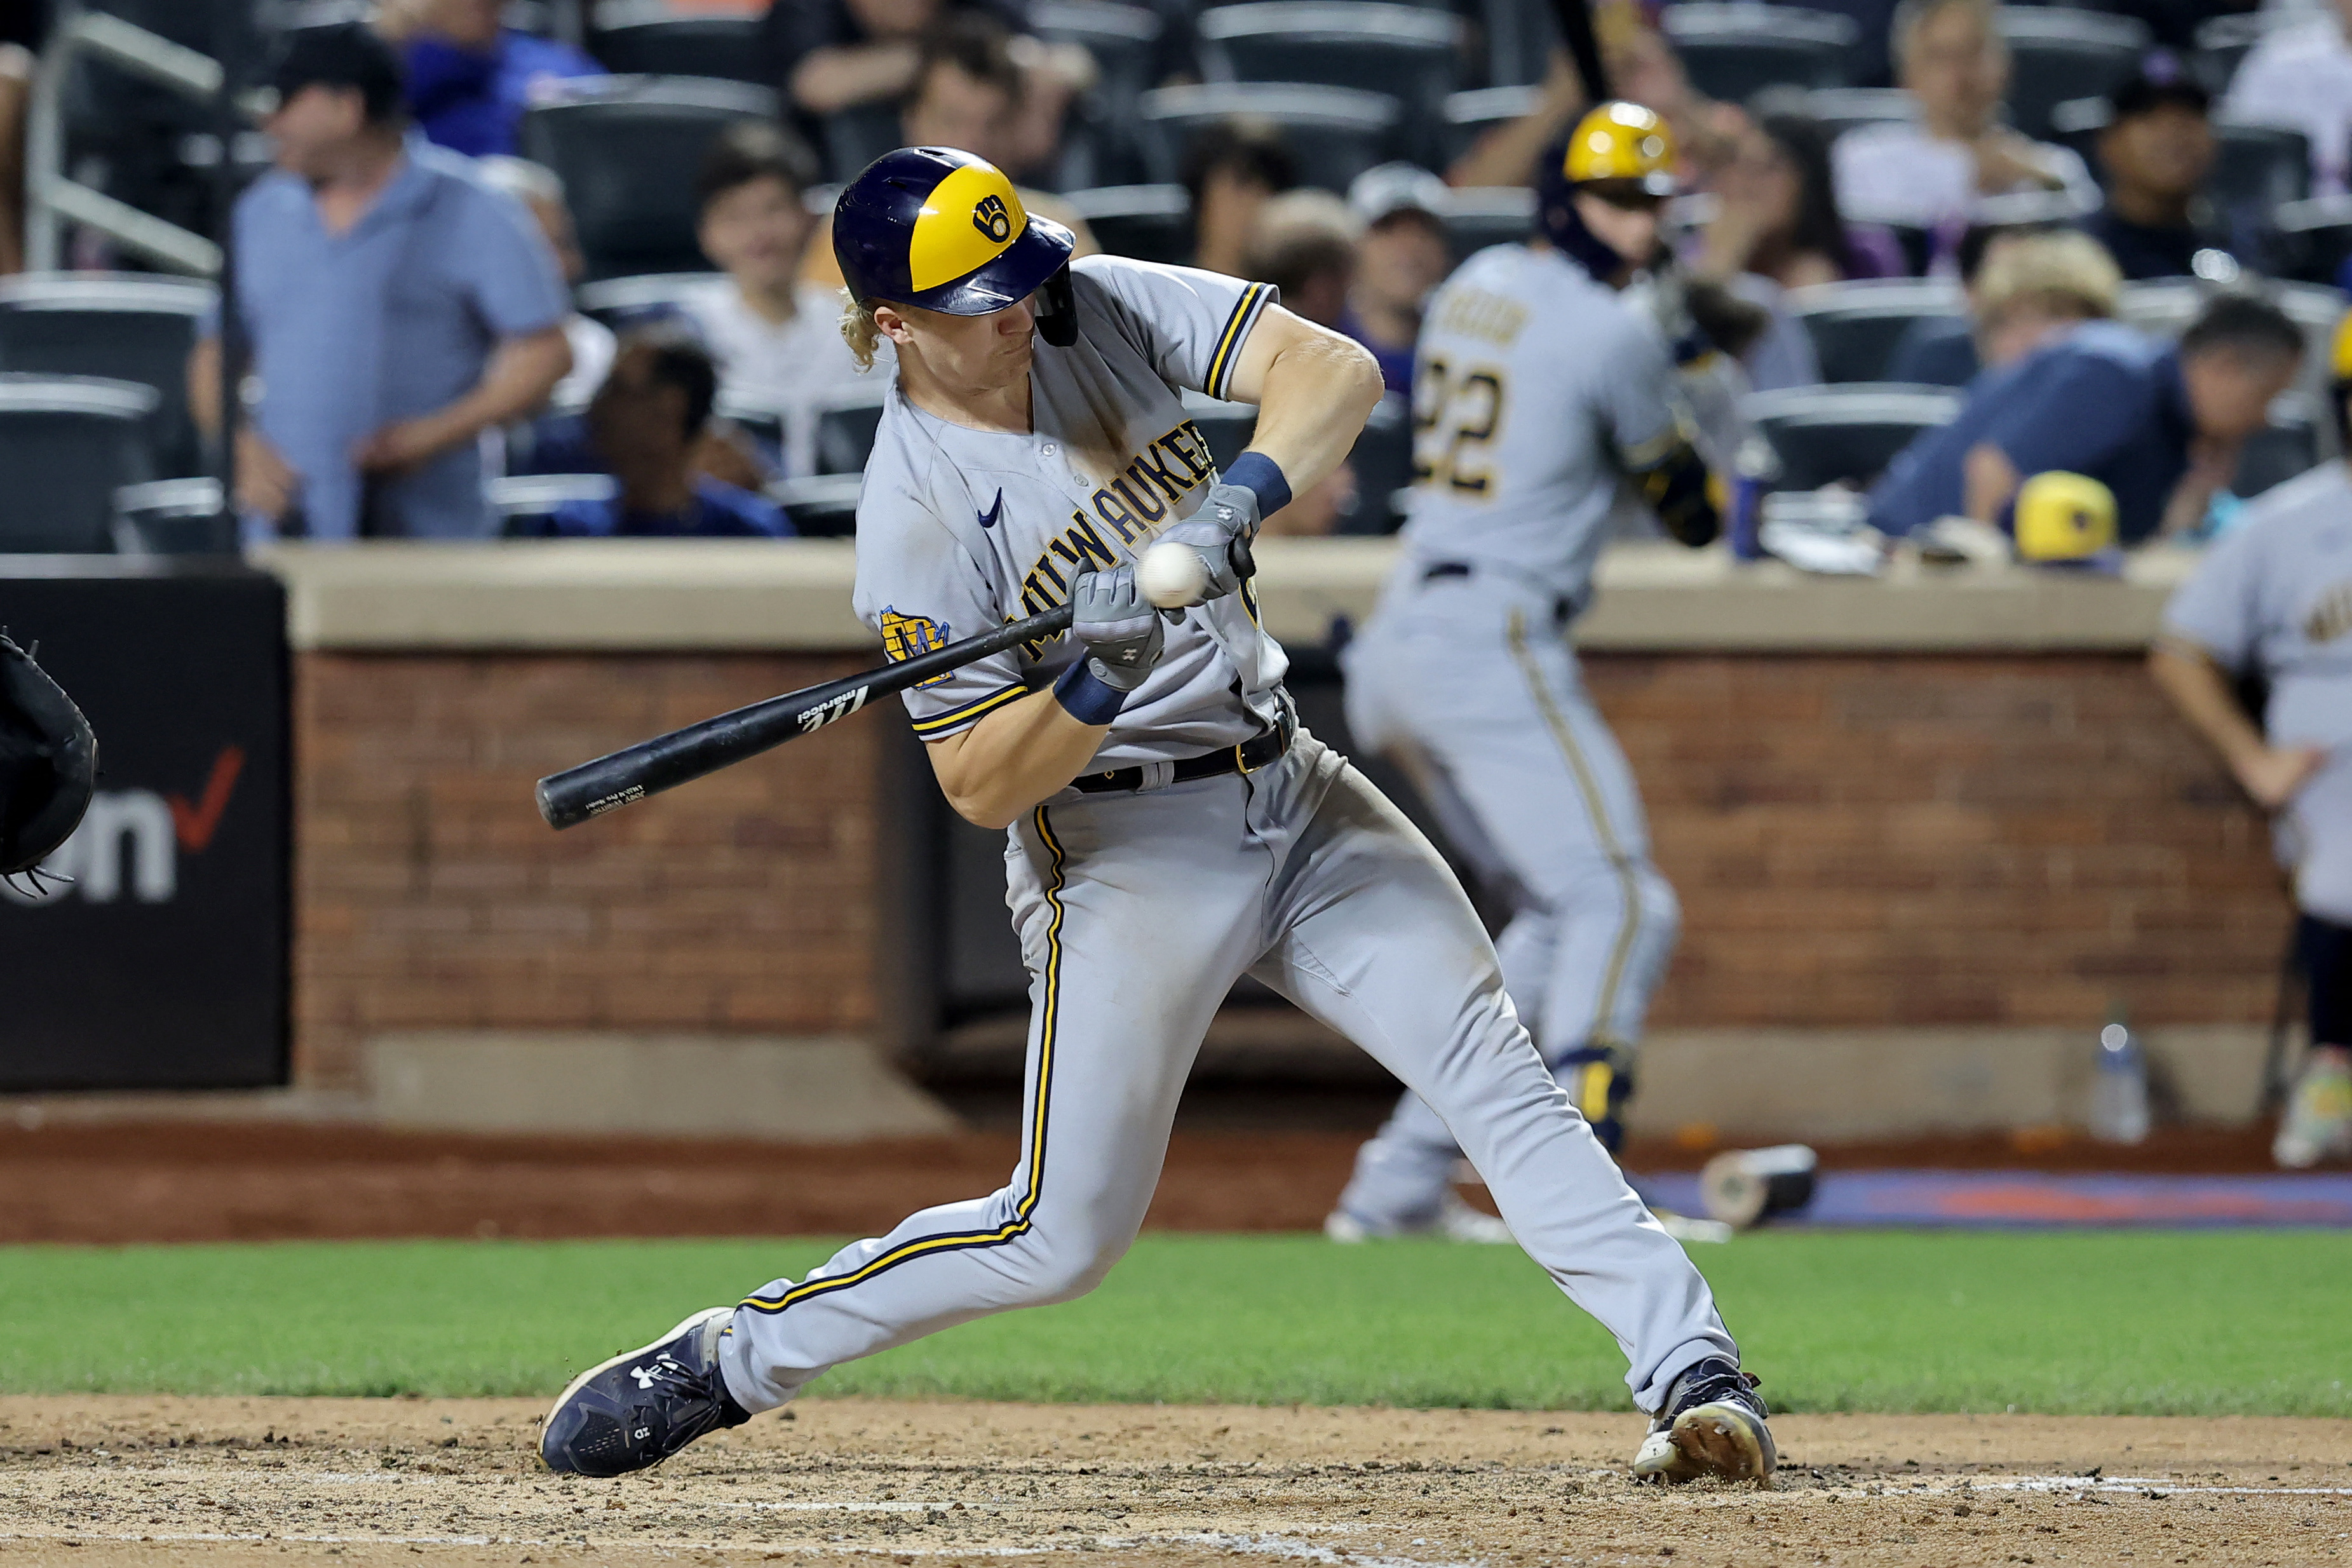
(2160, 426)
(396, 306)
(469, 79)
(643, 424)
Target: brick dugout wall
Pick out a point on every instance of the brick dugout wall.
(1858, 841)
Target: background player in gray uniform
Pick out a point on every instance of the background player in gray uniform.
(1171, 828)
(1539, 391)
(2274, 597)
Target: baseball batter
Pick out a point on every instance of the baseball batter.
(1172, 827)
(1538, 393)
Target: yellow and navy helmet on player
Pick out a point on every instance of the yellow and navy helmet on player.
(1622, 140)
(944, 230)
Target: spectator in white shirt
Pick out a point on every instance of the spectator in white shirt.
(1928, 173)
(777, 339)
(2300, 76)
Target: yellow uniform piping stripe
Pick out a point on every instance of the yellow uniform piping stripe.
(1629, 889)
(1027, 1205)
(940, 723)
(1221, 363)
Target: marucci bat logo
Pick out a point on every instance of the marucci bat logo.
(815, 719)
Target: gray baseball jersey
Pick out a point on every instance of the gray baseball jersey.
(1137, 911)
(1543, 386)
(960, 528)
(2275, 597)
(1535, 388)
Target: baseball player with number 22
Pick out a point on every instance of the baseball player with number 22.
(1171, 826)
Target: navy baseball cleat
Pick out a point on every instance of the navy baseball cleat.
(638, 1409)
(1713, 1425)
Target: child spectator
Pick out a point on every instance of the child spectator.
(470, 79)
(1402, 257)
(1923, 173)
(776, 338)
(2156, 150)
(646, 424)
(1306, 247)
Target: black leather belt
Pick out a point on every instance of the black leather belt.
(1562, 609)
(1246, 758)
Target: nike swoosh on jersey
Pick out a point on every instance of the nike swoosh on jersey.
(988, 519)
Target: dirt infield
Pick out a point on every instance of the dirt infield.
(229, 1482)
(113, 1183)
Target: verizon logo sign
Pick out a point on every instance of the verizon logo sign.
(130, 843)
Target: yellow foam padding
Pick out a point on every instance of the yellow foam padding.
(2064, 517)
(967, 221)
(2342, 358)
(1620, 141)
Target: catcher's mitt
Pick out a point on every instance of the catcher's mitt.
(48, 763)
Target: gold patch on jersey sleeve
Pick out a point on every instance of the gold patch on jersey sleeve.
(907, 636)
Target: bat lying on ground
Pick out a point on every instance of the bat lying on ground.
(649, 767)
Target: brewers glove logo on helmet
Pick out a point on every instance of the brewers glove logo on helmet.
(991, 218)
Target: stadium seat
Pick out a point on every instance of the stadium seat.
(132, 327)
(2222, 45)
(2289, 446)
(172, 517)
(1405, 52)
(727, 47)
(1820, 434)
(625, 302)
(1334, 132)
(844, 430)
(525, 502)
(1856, 326)
(1150, 223)
(67, 444)
(2260, 167)
(1129, 44)
(1843, 108)
(1479, 216)
(821, 506)
(626, 148)
(1520, 37)
(852, 138)
(2057, 53)
(2314, 239)
(1382, 462)
(1732, 52)
(1469, 115)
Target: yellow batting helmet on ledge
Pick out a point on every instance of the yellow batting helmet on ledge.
(2064, 517)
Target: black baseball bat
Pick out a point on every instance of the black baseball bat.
(649, 767)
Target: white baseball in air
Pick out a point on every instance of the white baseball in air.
(1171, 575)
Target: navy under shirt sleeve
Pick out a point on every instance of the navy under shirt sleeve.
(2071, 417)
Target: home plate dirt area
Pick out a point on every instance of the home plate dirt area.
(98, 1479)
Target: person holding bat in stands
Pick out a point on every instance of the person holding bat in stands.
(1171, 826)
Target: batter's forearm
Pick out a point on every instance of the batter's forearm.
(1314, 390)
(1013, 759)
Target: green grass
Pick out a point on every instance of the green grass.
(2189, 1322)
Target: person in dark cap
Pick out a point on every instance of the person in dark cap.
(397, 305)
(2158, 150)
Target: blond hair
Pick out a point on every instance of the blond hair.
(860, 330)
(2060, 273)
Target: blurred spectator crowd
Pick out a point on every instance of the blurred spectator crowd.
(561, 267)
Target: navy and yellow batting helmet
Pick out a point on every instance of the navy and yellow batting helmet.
(1621, 140)
(944, 230)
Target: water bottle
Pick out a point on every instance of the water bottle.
(2119, 1092)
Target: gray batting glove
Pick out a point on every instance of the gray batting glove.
(1220, 534)
(1121, 630)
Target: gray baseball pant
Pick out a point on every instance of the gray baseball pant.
(1470, 685)
(1135, 913)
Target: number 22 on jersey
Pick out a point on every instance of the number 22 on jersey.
(1454, 419)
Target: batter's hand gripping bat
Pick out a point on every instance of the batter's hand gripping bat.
(649, 767)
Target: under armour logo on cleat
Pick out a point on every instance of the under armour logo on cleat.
(645, 1379)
